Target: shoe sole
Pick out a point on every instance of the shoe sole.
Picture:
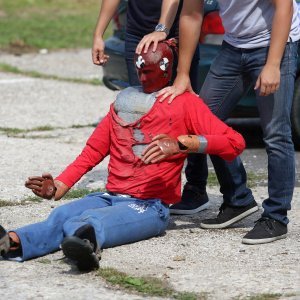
(4, 241)
(231, 221)
(263, 241)
(77, 250)
(190, 211)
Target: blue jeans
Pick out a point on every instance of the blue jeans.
(131, 42)
(231, 73)
(116, 220)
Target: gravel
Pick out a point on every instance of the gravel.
(188, 258)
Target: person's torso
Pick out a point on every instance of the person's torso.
(143, 16)
(248, 23)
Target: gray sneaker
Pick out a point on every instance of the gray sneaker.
(4, 241)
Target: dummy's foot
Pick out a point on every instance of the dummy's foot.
(192, 201)
(82, 252)
(4, 242)
(83, 248)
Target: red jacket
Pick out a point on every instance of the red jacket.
(127, 173)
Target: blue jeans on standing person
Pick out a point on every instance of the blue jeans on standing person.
(117, 220)
(230, 75)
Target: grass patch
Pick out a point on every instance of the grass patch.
(11, 69)
(51, 24)
(82, 126)
(79, 193)
(72, 194)
(26, 201)
(262, 297)
(16, 132)
(253, 179)
(145, 285)
(44, 261)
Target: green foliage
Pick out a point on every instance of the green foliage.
(79, 193)
(10, 69)
(262, 297)
(51, 24)
(253, 179)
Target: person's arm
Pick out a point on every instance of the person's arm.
(107, 11)
(189, 31)
(269, 79)
(168, 12)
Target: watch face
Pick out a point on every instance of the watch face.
(159, 27)
(162, 28)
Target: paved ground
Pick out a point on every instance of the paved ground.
(187, 257)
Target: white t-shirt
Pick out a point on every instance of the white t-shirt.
(248, 23)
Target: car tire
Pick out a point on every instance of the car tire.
(109, 84)
(295, 115)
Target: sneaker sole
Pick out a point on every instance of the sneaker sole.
(263, 241)
(190, 211)
(4, 241)
(231, 221)
(86, 259)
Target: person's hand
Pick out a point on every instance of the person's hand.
(98, 55)
(42, 186)
(161, 147)
(181, 84)
(155, 37)
(268, 80)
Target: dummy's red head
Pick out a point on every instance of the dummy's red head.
(155, 69)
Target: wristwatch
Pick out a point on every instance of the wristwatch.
(162, 28)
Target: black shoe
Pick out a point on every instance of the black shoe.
(265, 231)
(82, 251)
(192, 201)
(4, 242)
(229, 215)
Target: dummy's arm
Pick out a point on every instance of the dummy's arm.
(45, 187)
(163, 146)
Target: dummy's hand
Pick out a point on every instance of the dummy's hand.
(161, 147)
(268, 81)
(146, 41)
(98, 55)
(42, 186)
(181, 84)
(45, 187)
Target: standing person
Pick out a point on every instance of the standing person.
(150, 21)
(137, 132)
(259, 48)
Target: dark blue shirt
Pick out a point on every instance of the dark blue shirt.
(143, 16)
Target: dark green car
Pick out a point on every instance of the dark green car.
(115, 72)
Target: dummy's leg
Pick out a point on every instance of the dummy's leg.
(128, 220)
(45, 237)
